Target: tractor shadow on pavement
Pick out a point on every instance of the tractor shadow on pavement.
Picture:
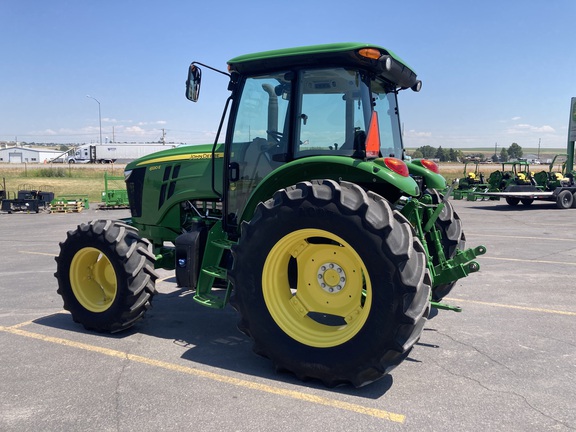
(205, 336)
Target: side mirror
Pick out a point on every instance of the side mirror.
(193, 83)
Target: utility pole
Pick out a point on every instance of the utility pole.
(99, 115)
(163, 139)
(539, 139)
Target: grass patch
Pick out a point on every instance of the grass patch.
(49, 172)
(62, 180)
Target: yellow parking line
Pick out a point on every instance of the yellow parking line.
(333, 403)
(527, 260)
(36, 253)
(508, 306)
(555, 239)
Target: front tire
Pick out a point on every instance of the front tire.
(106, 275)
(330, 283)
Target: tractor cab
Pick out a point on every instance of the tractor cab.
(298, 108)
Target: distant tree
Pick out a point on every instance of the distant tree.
(504, 155)
(441, 154)
(63, 148)
(427, 151)
(454, 155)
(514, 151)
(417, 154)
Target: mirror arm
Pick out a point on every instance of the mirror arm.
(211, 68)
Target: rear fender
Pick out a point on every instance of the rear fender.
(329, 167)
(431, 179)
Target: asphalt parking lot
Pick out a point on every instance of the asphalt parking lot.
(506, 363)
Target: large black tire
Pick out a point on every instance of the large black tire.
(565, 199)
(512, 201)
(330, 283)
(453, 238)
(527, 201)
(106, 275)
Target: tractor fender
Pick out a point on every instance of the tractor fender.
(329, 167)
(432, 180)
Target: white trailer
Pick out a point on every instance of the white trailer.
(113, 152)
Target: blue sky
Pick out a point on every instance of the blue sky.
(493, 72)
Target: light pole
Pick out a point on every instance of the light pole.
(99, 116)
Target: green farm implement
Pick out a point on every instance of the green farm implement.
(114, 198)
(302, 215)
(471, 184)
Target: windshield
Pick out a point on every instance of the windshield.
(335, 111)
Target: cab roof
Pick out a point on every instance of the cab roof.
(326, 55)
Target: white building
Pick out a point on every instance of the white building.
(27, 155)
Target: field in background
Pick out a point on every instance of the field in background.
(543, 154)
(88, 179)
(61, 179)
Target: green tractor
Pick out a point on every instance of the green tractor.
(305, 219)
(516, 173)
(556, 176)
(473, 182)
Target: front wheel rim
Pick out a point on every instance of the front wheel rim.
(331, 294)
(93, 279)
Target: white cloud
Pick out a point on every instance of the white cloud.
(157, 122)
(523, 128)
(416, 134)
(136, 130)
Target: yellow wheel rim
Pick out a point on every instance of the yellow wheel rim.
(331, 295)
(93, 279)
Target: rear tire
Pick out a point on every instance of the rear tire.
(106, 275)
(512, 201)
(330, 283)
(565, 199)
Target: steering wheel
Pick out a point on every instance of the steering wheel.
(275, 135)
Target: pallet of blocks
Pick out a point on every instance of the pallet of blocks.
(69, 204)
